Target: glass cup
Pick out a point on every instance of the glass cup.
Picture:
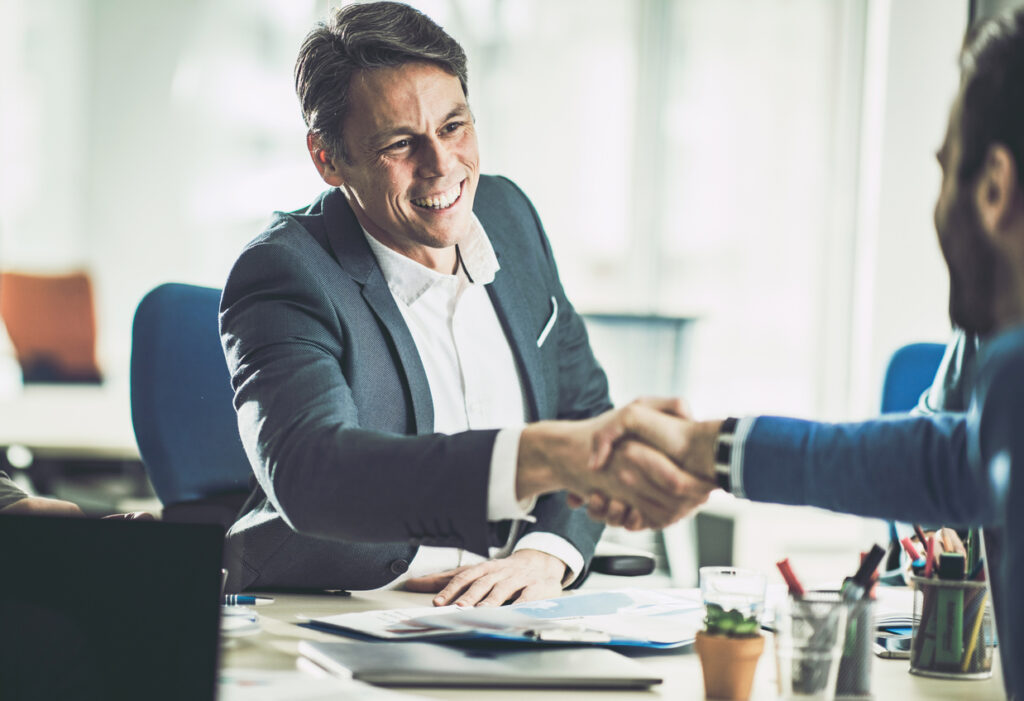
(732, 588)
(809, 637)
(854, 676)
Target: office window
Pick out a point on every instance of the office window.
(688, 157)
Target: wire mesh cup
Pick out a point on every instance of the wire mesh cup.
(809, 637)
(853, 680)
(953, 629)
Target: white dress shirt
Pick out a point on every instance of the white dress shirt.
(474, 383)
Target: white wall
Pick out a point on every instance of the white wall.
(143, 141)
(900, 284)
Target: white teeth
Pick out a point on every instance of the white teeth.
(442, 201)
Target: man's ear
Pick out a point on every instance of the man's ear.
(995, 194)
(323, 160)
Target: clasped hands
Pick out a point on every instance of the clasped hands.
(645, 465)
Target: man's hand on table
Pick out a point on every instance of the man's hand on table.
(44, 506)
(41, 506)
(525, 575)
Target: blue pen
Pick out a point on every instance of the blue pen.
(240, 600)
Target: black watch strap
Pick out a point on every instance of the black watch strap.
(723, 453)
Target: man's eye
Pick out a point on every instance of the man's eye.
(449, 128)
(400, 144)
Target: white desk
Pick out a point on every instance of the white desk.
(276, 647)
(70, 421)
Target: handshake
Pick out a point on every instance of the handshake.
(646, 465)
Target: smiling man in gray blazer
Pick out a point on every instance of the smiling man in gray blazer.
(388, 342)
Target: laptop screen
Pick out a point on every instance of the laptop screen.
(108, 609)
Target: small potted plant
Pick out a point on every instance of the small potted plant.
(729, 649)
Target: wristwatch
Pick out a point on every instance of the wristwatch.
(723, 453)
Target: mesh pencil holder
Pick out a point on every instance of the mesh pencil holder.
(853, 680)
(953, 629)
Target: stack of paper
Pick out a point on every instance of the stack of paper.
(658, 618)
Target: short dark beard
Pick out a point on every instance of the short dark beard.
(972, 263)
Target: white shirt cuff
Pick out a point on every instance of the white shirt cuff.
(739, 438)
(501, 489)
(556, 546)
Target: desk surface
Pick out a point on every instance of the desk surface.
(78, 421)
(276, 647)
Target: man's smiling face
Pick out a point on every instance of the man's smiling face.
(413, 160)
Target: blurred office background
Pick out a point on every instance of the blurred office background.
(764, 168)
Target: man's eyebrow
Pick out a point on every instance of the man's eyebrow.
(458, 111)
(381, 138)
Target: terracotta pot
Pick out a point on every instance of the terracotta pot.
(729, 665)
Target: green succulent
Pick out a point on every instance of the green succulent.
(731, 623)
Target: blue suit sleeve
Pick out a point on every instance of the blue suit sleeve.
(909, 468)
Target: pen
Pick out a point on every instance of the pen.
(240, 600)
(857, 586)
(919, 532)
(978, 573)
(930, 557)
(796, 590)
(908, 545)
(975, 629)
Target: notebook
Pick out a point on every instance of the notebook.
(433, 665)
(108, 609)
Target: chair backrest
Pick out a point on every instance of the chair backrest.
(911, 371)
(51, 320)
(181, 397)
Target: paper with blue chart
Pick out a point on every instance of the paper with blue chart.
(656, 618)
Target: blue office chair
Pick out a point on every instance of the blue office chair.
(911, 371)
(182, 410)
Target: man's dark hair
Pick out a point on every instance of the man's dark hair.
(364, 37)
(992, 92)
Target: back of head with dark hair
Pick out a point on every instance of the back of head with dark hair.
(992, 92)
(364, 37)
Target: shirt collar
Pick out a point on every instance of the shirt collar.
(408, 280)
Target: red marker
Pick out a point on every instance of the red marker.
(920, 534)
(908, 545)
(795, 588)
(930, 564)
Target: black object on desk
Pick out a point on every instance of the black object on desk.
(108, 609)
(622, 565)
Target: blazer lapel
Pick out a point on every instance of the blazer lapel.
(510, 303)
(355, 257)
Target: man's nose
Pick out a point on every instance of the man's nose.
(436, 158)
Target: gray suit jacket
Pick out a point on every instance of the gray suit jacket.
(335, 411)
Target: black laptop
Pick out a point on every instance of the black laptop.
(108, 609)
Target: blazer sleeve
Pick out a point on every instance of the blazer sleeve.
(906, 468)
(9, 491)
(327, 476)
(998, 444)
(582, 392)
